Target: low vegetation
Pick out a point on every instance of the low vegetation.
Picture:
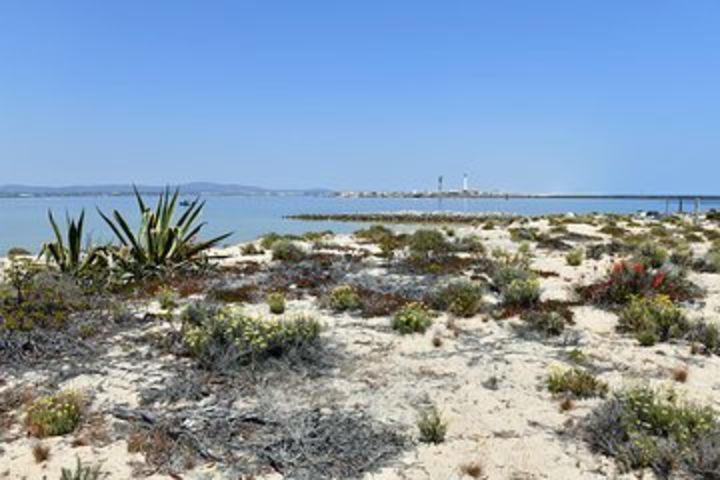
(81, 472)
(224, 336)
(276, 302)
(413, 317)
(287, 251)
(224, 347)
(431, 425)
(462, 297)
(575, 382)
(549, 323)
(523, 293)
(627, 280)
(56, 414)
(575, 257)
(653, 319)
(344, 298)
(642, 427)
(66, 251)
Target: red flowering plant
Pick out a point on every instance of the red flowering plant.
(628, 279)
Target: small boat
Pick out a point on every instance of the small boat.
(185, 203)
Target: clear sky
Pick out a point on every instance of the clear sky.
(581, 96)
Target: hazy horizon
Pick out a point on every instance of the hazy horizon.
(524, 96)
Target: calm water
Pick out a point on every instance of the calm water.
(23, 221)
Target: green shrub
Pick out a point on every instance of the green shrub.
(711, 261)
(413, 317)
(18, 252)
(613, 230)
(577, 356)
(276, 302)
(316, 236)
(575, 257)
(383, 237)
(470, 244)
(269, 239)
(576, 382)
(344, 298)
(522, 293)
(426, 245)
(642, 427)
(549, 323)
(42, 299)
(287, 251)
(431, 426)
(682, 255)
(652, 319)
(463, 298)
(55, 414)
(218, 337)
(375, 233)
(706, 334)
(250, 249)
(507, 267)
(651, 254)
(168, 298)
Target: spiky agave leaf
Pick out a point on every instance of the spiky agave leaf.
(66, 251)
(160, 243)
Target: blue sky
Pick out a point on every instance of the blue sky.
(523, 95)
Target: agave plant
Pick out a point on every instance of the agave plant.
(159, 243)
(67, 253)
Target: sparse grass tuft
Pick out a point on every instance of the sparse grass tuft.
(576, 382)
(473, 470)
(40, 452)
(81, 472)
(431, 425)
(574, 258)
(276, 302)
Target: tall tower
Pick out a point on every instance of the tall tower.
(465, 182)
(440, 185)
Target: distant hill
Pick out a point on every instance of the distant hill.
(193, 188)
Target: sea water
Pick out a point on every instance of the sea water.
(24, 223)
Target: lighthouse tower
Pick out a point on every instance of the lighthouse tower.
(465, 183)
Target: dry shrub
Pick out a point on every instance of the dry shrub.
(374, 303)
(240, 294)
(40, 452)
(680, 374)
(473, 470)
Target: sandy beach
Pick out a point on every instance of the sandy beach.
(485, 376)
